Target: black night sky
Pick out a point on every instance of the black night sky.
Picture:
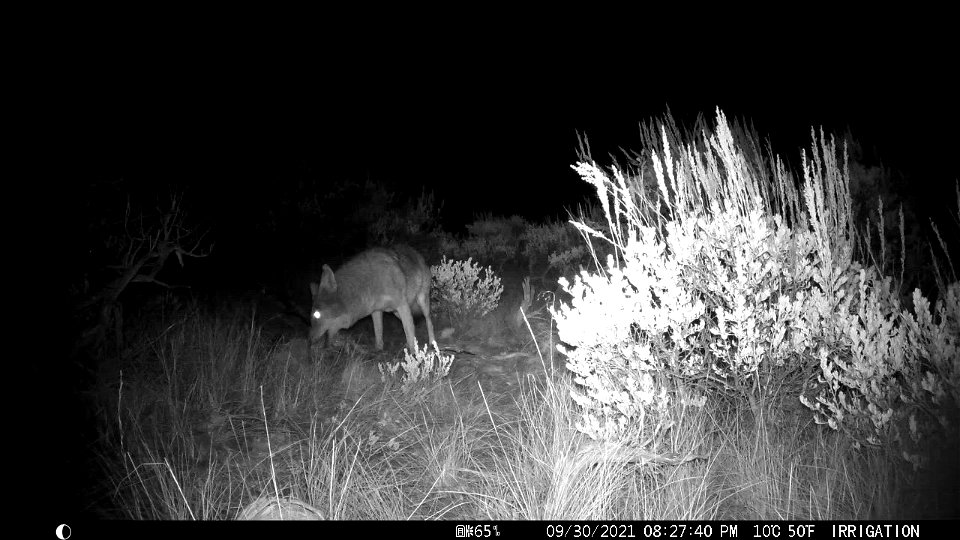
(230, 129)
(480, 149)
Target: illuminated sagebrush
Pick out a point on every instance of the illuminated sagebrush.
(726, 296)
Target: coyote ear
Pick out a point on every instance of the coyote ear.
(328, 281)
(314, 288)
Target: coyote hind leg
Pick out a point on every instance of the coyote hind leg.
(406, 317)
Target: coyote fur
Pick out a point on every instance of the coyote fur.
(393, 279)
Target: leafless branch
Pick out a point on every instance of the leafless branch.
(142, 249)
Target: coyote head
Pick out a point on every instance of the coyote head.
(329, 314)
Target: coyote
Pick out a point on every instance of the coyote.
(381, 279)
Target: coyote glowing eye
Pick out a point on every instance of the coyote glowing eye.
(316, 314)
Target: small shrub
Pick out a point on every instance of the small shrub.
(459, 292)
(420, 369)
